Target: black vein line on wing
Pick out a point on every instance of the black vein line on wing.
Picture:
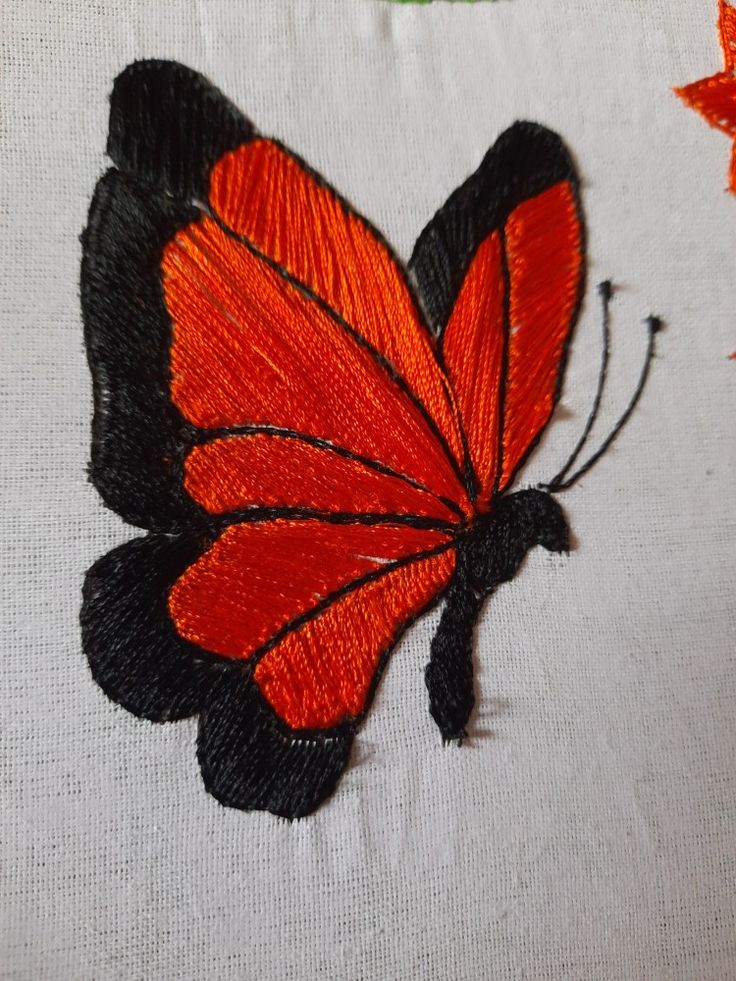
(259, 513)
(202, 436)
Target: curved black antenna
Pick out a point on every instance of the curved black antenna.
(605, 291)
(654, 325)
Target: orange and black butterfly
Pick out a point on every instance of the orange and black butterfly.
(319, 442)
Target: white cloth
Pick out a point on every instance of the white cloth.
(586, 831)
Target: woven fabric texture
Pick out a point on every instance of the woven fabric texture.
(586, 828)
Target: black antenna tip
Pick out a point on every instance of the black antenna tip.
(654, 324)
(605, 289)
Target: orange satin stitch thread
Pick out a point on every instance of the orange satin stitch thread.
(234, 598)
(544, 256)
(236, 358)
(265, 194)
(278, 471)
(541, 301)
(541, 247)
(473, 350)
(320, 674)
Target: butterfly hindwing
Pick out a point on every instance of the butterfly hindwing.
(249, 760)
(134, 651)
(261, 582)
(277, 736)
(306, 615)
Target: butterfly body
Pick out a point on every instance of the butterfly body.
(490, 553)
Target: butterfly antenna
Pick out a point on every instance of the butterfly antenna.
(654, 325)
(605, 291)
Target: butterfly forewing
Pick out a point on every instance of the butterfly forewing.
(249, 347)
(277, 470)
(500, 268)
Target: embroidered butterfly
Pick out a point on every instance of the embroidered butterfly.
(319, 442)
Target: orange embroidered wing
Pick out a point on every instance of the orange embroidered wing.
(500, 270)
(306, 612)
(267, 195)
(266, 390)
(252, 347)
(226, 288)
(279, 471)
(255, 591)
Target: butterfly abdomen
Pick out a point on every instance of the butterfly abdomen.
(488, 555)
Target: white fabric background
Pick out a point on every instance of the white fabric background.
(586, 832)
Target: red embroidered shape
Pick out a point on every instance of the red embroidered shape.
(318, 441)
(715, 97)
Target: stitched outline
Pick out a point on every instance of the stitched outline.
(129, 392)
(160, 678)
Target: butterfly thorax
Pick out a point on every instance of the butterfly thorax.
(497, 542)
